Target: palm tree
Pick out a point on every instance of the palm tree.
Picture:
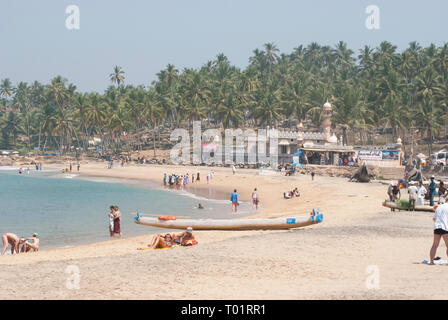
(429, 116)
(349, 110)
(271, 54)
(6, 88)
(11, 126)
(117, 76)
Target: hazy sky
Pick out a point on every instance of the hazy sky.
(144, 36)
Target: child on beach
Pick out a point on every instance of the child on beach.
(255, 199)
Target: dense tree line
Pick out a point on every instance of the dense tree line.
(376, 89)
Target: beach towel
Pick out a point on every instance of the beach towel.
(189, 243)
(436, 261)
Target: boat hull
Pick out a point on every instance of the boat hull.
(393, 205)
(231, 224)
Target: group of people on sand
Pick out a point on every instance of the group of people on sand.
(115, 222)
(20, 245)
(181, 180)
(167, 240)
(418, 193)
(291, 194)
(234, 199)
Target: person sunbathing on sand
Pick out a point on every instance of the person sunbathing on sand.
(160, 241)
(33, 245)
(186, 238)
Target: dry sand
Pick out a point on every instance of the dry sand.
(331, 260)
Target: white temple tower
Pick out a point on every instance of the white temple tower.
(326, 118)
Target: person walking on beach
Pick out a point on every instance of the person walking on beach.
(234, 200)
(13, 240)
(432, 191)
(312, 175)
(71, 167)
(233, 169)
(117, 222)
(78, 165)
(440, 229)
(255, 199)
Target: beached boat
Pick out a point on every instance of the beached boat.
(404, 205)
(231, 224)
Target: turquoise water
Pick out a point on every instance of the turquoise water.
(67, 212)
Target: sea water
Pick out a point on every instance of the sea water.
(67, 209)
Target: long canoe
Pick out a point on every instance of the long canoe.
(232, 224)
(405, 206)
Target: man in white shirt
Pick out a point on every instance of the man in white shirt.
(440, 229)
(413, 195)
(421, 193)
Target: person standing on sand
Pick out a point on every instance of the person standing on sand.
(233, 169)
(442, 192)
(413, 195)
(234, 200)
(421, 193)
(79, 165)
(117, 221)
(13, 240)
(198, 177)
(255, 199)
(440, 229)
(312, 175)
(71, 167)
(432, 191)
(111, 220)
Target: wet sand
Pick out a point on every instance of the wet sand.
(361, 250)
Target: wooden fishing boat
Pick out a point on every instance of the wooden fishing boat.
(232, 224)
(404, 205)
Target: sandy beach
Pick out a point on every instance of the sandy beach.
(332, 260)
